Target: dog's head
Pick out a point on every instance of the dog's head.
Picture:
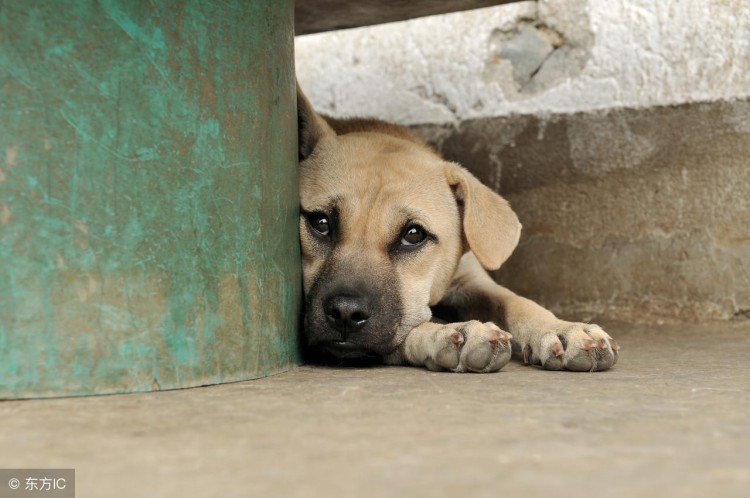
(384, 221)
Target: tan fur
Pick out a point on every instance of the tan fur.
(372, 179)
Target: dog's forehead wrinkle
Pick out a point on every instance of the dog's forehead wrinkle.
(361, 226)
(381, 211)
(325, 203)
(408, 213)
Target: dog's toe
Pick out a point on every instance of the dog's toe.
(487, 348)
(449, 355)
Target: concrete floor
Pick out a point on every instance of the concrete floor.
(671, 419)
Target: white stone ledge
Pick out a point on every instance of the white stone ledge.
(609, 54)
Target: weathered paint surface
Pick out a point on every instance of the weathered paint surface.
(148, 195)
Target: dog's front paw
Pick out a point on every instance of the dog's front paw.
(579, 347)
(469, 347)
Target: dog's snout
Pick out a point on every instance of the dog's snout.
(347, 313)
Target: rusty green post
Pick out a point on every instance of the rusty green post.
(148, 194)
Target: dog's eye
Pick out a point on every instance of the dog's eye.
(319, 222)
(413, 235)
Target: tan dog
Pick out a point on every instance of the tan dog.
(388, 230)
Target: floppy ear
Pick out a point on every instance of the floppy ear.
(311, 126)
(491, 228)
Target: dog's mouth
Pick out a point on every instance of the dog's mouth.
(345, 350)
(342, 353)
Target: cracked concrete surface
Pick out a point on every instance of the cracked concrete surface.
(669, 420)
(547, 43)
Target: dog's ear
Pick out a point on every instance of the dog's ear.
(311, 126)
(491, 228)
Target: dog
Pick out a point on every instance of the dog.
(390, 232)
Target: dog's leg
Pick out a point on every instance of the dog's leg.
(460, 347)
(539, 337)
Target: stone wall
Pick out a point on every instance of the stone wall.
(627, 213)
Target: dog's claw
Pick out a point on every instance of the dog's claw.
(557, 350)
(588, 344)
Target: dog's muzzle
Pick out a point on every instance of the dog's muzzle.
(347, 315)
(348, 320)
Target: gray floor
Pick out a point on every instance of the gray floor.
(671, 419)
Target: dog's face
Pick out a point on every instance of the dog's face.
(384, 221)
(381, 237)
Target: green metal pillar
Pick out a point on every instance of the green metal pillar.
(148, 194)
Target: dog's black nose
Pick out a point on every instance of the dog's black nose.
(347, 313)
